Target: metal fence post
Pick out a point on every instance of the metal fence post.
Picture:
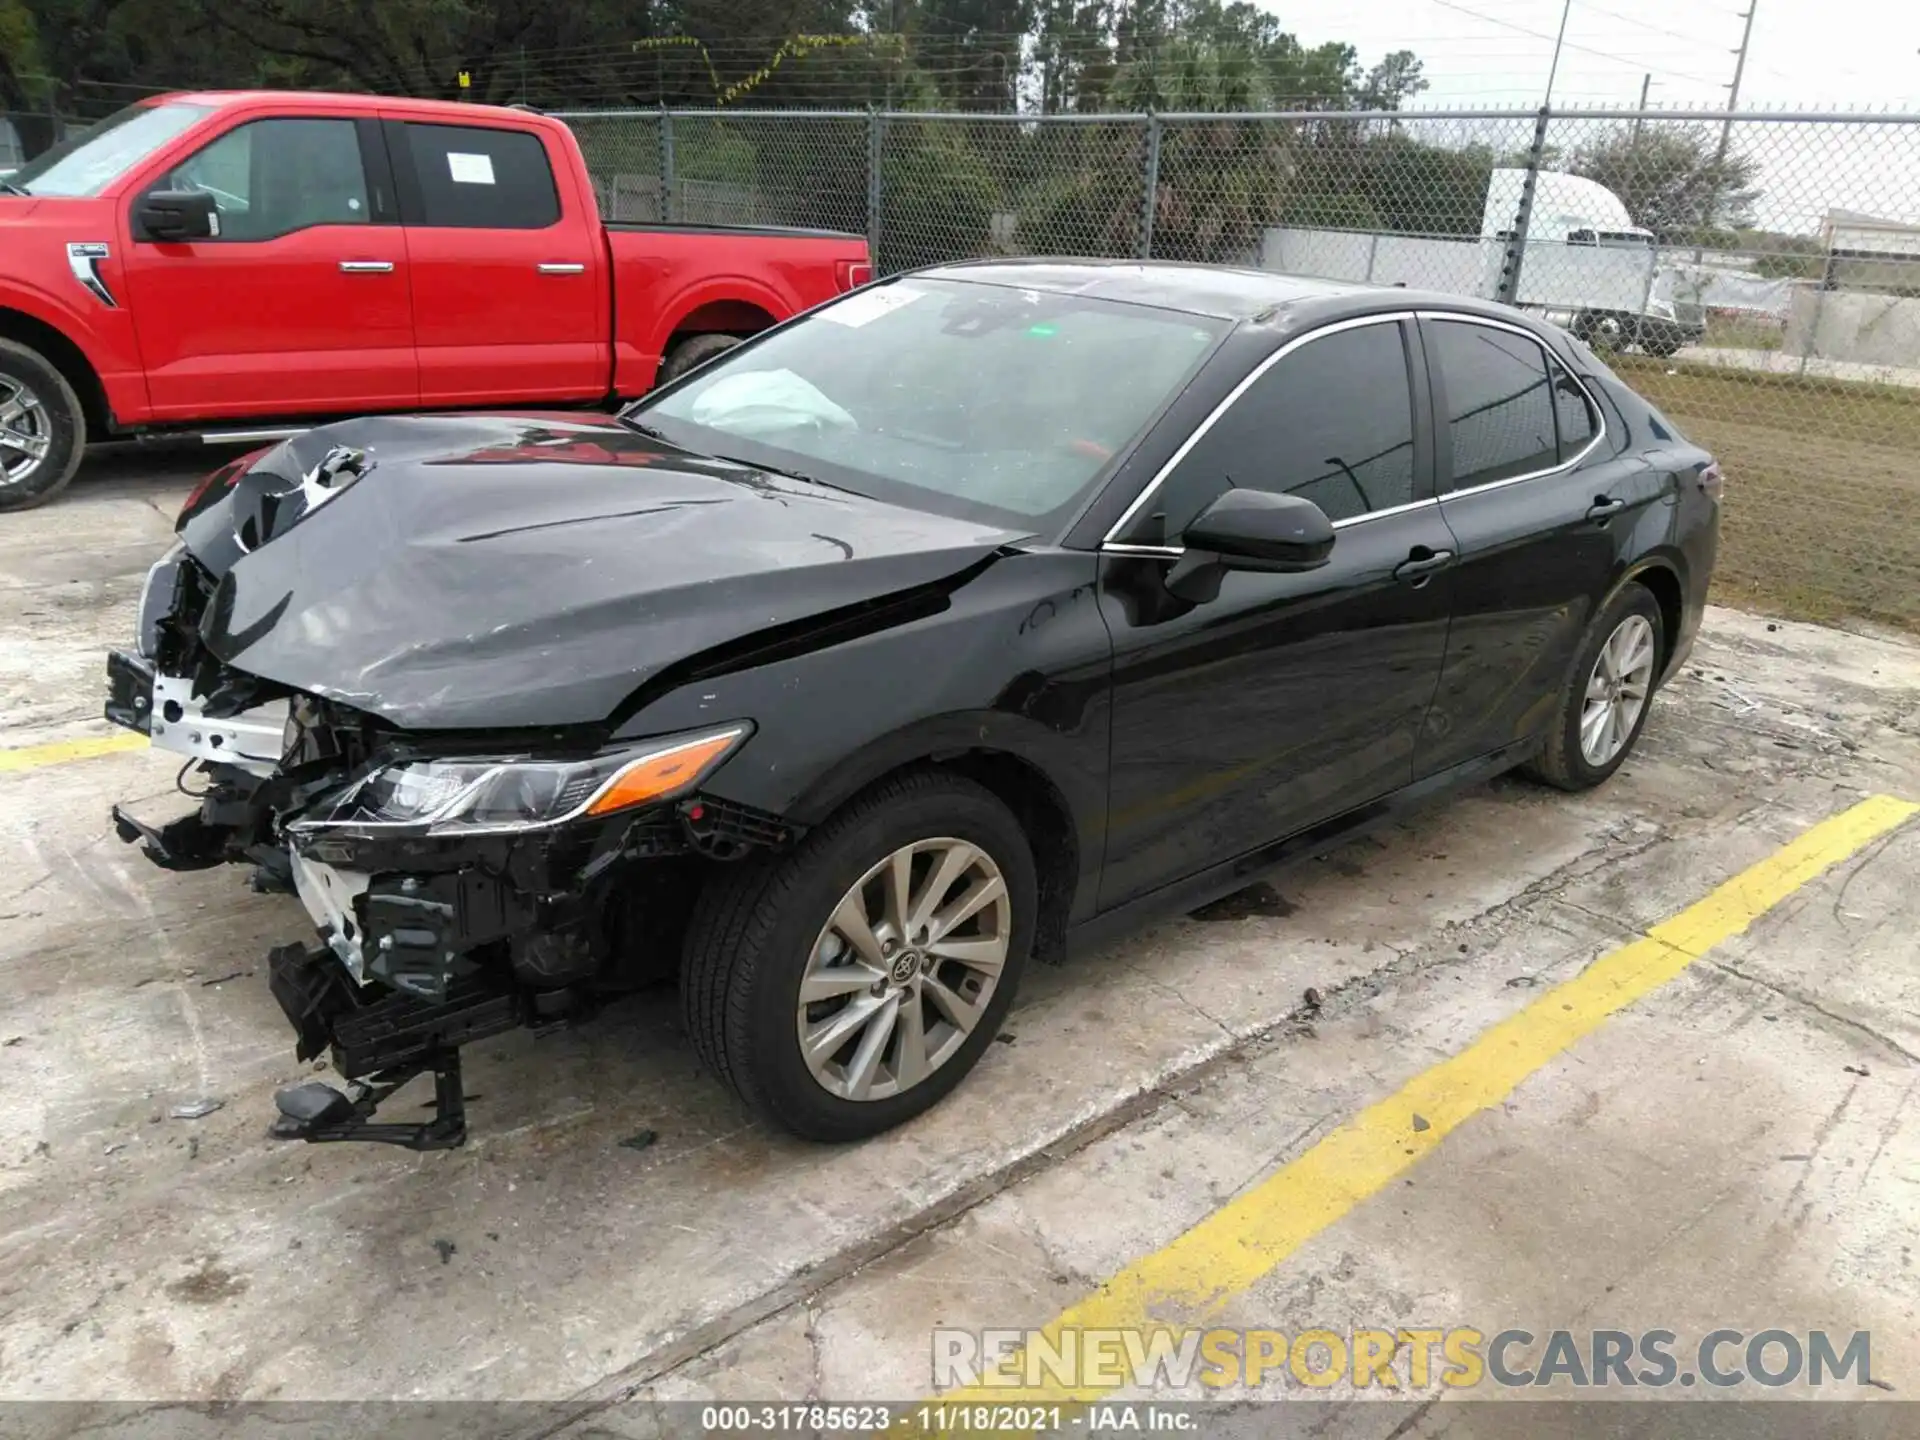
(666, 163)
(1508, 292)
(876, 123)
(1150, 185)
(1373, 253)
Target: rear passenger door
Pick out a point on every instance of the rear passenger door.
(1538, 505)
(1286, 699)
(507, 264)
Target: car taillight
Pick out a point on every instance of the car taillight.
(852, 274)
(1712, 480)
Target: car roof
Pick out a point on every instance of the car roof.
(1221, 292)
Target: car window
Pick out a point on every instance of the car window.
(976, 400)
(1573, 412)
(1331, 421)
(482, 179)
(273, 177)
(1500, 411)
(86, 163)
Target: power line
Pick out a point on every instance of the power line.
(1584, 49)
(1645, 24)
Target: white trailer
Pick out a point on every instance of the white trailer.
(1586, 264)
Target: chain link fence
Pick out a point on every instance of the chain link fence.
(1756, 276)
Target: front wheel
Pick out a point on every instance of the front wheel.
(42, 428)
(848, 986)
(1604, 704)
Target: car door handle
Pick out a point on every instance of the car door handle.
(1421, 563)
(366, 267)
(561, 267)
(1605, 505)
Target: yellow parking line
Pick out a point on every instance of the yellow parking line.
(58, 752)
(1190, 1281)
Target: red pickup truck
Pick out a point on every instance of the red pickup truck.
(231, 263)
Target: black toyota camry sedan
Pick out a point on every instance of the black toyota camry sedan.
(973, 616)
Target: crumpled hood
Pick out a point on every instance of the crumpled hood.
(527, 571)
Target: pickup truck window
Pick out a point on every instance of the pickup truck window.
(481, 179)
(272, 177)
(85, 164)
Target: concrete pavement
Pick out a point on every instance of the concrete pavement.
(1712, 1155)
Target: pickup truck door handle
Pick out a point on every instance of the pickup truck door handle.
(560, 267)
(1605, 505)
(1420, 563)
(366, 267)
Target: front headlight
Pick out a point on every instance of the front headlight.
(504, 793)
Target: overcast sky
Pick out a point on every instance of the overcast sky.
(1809, 53)
(1805, 54)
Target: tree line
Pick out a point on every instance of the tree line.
(1218, 184)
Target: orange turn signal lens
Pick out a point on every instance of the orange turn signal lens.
(664, 772)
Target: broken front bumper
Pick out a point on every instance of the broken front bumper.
(163, 708)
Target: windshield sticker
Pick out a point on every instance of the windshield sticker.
(470, 169)
(865, 306)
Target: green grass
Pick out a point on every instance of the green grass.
(1822, 517)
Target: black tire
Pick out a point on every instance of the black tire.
(691, 353)
(1599, 329)
(64, 421)
(1662, 349)
(1561, 763)
(754, 928)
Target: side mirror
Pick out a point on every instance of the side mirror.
(178, 215)
(1250, 530)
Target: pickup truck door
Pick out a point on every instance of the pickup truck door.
(508, 265)
(299, 305)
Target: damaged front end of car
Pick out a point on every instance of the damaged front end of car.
(462, 883)
(460, 888)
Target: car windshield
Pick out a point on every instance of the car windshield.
(85, 164)
(977, 400)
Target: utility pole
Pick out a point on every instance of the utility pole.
(1554, 68)
(1646, 83)
(1733, 103)
(1726, 127)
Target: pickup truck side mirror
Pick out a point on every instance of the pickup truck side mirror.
(1250, 530)
(178, 215)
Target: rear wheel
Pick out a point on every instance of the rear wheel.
(693, 352)
(1607, 694)
(1601, 330)
(846, 987)
(42, 428)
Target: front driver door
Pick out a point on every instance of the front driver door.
(1289, 698)
(299, 306)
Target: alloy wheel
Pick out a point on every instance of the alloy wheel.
(904, 969)
(1617, 691)
(26, 431)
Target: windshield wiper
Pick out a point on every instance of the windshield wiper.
(13, 189)
(784, 473)
(647, 430)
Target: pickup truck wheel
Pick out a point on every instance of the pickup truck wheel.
(691, 353)
(42, 428)
(845, 987)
